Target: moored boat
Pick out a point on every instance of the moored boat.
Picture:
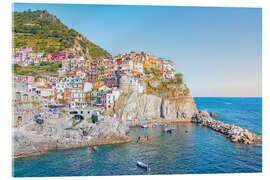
(142, 165)
(144, 126)
(168, 129)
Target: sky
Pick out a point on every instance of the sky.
(218, 50)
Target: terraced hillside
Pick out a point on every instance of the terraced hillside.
(45, 33)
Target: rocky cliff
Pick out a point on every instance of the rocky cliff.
(176, 103)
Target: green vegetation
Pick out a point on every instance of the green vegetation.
(36, 70)
(62, 101)
(156, 85)
(179, 78)
(154, 72)
(45, 33)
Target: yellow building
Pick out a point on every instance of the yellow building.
(156, 64)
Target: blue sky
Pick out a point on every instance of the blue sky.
(217, 49)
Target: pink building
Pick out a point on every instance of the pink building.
(60, 55)
(30, 79)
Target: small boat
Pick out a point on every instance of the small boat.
(142, 165)
(168, 130)
(95, 148)
(144, 126)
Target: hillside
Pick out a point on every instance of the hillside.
(45, 33)
(44, 68)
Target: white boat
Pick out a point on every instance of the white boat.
(168, 129)
(142, 165)
(144, 126)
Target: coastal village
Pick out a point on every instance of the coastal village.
(62, 109)
(82, 83)
(68, 99)
(68, 93)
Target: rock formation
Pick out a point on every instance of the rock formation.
(173, 104)
(32, 139)
(138, 106)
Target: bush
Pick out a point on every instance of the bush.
(179, 78)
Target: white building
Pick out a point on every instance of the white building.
(126, 66)
(130, 83)
(168, 69)
(60, 88)
(87, 87)
(45, 92)
(77, 98)
(138, 66)
(112, 97)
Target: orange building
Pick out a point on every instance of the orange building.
(67, 95)
(98, 84)
(150, 62)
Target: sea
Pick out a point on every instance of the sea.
(190, 149)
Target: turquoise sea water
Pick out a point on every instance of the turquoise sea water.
(200, 150)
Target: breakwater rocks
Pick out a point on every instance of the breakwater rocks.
(234, 133)
(31, 138)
